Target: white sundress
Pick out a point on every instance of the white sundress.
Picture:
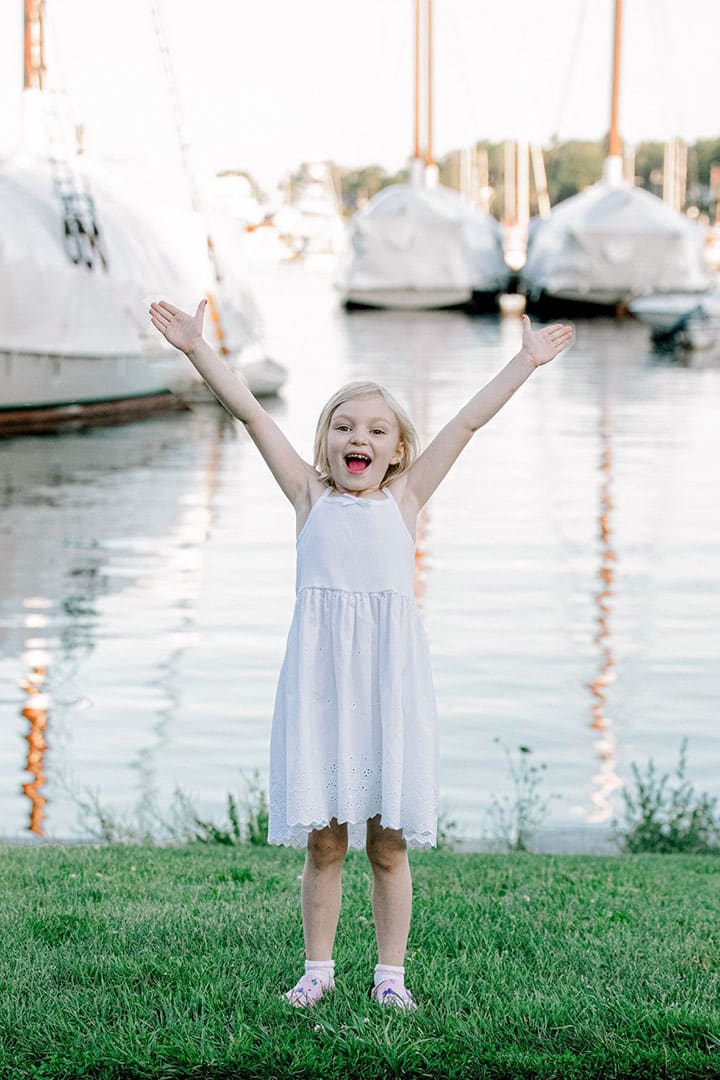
(354, 730)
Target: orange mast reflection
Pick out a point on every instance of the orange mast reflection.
(35, 710)
(606, 780)
(417, 391)
(420, 560)
(37, 714)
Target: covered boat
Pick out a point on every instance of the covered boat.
(76, 342)
(662, 313)
(421, 247)
(612, 243)
(69, 331)
(688, 320)
(77, 332)
(81, 256)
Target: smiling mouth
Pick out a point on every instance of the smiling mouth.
(357, 463)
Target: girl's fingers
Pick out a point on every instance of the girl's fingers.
(169, 307)
(158, 312)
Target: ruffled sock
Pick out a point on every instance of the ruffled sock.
(383, 972)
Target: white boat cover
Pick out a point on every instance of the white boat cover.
(409, 237)
(663, 311)
(611, 243)
(50, 305)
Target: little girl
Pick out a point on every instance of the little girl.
(354, 742)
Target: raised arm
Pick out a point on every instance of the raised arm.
(185, 333)
(431, 467)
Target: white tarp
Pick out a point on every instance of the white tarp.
(611, 243)
(48, 304)
(409, 237)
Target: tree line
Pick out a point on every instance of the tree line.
(570, 167)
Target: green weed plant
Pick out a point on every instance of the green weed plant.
(515, 817)
(664, 815)
(147, 824)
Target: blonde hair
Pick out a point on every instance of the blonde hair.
(408, 435)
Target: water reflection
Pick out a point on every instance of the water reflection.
(62, 548)
(606, 780)
(36, 713)
(184, 565)
(36, 707)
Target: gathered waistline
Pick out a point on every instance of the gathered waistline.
(355, 592)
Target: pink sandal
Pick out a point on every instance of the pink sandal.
(390, 992)
(308, 991)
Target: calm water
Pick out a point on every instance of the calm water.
(568, 573)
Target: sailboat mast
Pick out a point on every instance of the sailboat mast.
(615, 147)
(429, 159)
(416, 135)
(613, 164)
(34, 52)
(423, 170)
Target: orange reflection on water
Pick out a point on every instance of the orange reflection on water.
(36, 713)
(420, 580)
(606, 780)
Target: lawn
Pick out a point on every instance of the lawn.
(163, 962)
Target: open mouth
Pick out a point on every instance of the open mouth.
(357, 463)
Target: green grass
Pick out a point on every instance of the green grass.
(169, 962)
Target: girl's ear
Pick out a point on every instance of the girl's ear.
(399, 454)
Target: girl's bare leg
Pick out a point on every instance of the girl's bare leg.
(322, 888)
(392, 891)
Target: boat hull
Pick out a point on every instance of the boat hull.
(51, 391)
(568, 306)
(407, 299)
(661, 313)
(51, 418)
(46, 380)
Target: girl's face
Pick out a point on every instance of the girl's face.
(362, 442)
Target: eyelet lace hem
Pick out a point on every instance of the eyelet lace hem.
(296, 835)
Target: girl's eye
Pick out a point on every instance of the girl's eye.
(341, 427)
(378, 431)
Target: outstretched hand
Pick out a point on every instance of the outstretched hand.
(541, 346)
(180, 329)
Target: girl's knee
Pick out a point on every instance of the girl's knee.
(329, 845)
(386, 848)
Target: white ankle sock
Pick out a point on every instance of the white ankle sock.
(387, 971)
(324, 970)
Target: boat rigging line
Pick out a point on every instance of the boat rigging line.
(196, 199)
(82, 238)
(574, 54)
